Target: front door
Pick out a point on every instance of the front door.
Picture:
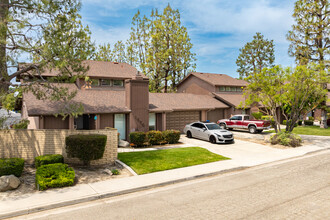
(120, 125)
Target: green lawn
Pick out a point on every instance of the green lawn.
(152, 161)
(308, 130)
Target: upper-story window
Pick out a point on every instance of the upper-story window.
(118, 82)
(105, 82)
(229, 89)
(94, 82)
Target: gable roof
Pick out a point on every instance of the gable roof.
(101, 69)
(232, 99)
(94, 101)
(167, 102)
(216, 79)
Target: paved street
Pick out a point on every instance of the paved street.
(298, 189)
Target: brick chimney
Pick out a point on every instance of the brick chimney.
(137, 100)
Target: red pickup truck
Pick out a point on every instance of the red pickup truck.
(244, 122)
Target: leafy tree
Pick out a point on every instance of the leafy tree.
(117, 54)
(254, 56)
(294, 91)
(104, 53)
(309, 36)
(50, 33)
(162, 48)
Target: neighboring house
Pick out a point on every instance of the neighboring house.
(11, 117)
(317, 113)
(223, 87)
(119, 97)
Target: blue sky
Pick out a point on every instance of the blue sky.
(217, 28)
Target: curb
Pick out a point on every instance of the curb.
(110, 194)
(127, 167)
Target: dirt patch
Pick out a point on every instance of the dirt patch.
(83, 175)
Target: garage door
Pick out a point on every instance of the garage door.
(177, 120)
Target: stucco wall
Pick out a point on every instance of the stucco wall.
(28, 144)
(195, 85)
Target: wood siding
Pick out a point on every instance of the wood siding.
(52, 122)
(106, 121)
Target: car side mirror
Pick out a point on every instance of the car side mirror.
(204, 129)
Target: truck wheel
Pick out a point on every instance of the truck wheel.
(252, 129)
(222, 126)
(212, 140)
(189, 134)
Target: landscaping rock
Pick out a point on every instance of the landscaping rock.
(107, 171)
(9, 182)
(123, 143)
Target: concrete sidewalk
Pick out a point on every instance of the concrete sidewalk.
(243, 154)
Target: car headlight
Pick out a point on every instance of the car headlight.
(218, 135)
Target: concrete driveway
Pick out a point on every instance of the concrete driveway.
(246, 153)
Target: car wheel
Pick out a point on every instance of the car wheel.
(222, 126)
(189, 134)
(252, 129)
(213, 140)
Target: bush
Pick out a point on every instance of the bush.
(115, 172)
(11, 166)
(286, 139)
(86, 147)
(155, 137)
(284, 123)
(300, 122)
(138, 138)
(267, 117)
(257, 115)
(23, 124)
(308, 122)
(310, 118)
(171, 136)
(48, 159)
(54, 176)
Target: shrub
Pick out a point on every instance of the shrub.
(286, 139)
(284, 123)
(54, 176)
(171, 136)
(48, 159)
(138, 138)
(86, 147)
(300, 122)
(23, 124)
(155, 137)
(267, 117)
(11, 166)
(311, 118)
(115, 172)
(308, 122)
(257, 115)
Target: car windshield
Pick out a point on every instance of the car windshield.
(212, 126)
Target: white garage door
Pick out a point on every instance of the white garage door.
(177, 120)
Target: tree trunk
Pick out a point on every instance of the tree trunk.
(3, 37)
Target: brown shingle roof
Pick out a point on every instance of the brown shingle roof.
(102, 69)
(232, 99)
(159, 102)
(94, 101)
(217, 79)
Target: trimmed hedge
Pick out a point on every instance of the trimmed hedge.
(155, 137)
(86, 147)
(171, 136)
(286, 139)
(48, 159)
(11, 166)
(54, 175)
(138, 138)
(308, 122)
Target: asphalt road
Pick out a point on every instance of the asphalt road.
(298, 189)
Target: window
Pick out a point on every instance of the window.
(118, 82)
(246, 118)
(222, 88)
(233, 89)
(228, 89)
(196, 125)
(152, 121)
(105, 82)
(239, 89)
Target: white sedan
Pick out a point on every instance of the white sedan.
(209, 132)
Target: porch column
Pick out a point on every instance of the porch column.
(71, 123)
(164, 121)
(203, 115)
